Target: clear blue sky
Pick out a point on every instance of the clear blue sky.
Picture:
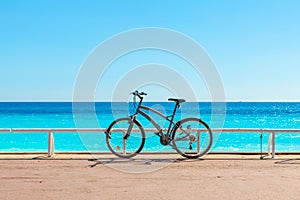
(255, 44)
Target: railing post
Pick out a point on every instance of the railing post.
(50, 144)
(273, 144)
(124, 143)
(269, 143)
(198, 142)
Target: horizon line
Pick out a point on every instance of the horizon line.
(204, 101)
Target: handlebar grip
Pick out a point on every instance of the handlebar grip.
(134, 93)
(137, 93)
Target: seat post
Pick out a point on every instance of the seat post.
(173, 115)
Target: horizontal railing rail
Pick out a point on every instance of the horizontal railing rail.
(5, 130)
(50, 131)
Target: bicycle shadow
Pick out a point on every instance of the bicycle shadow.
(140, 161)
(153, 161)
(295, 161)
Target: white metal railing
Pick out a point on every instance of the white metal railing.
(5, 130)
(50, 131)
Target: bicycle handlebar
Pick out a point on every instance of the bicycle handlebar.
(139, 94)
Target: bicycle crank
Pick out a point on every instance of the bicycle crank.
(165, 139)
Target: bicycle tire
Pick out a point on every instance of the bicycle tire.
(129, 147)
(186, 139)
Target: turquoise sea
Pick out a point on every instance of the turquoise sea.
(62, 115)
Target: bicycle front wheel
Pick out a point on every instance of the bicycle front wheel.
(192, 138)
(129, 146)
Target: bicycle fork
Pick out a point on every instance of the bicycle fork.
(127, 134)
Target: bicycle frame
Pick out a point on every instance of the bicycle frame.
(159, 129)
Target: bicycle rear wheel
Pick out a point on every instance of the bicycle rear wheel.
(192, 138)
(125, 147)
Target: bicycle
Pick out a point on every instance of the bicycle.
(190, 137)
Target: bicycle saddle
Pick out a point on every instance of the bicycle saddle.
(179, 101)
